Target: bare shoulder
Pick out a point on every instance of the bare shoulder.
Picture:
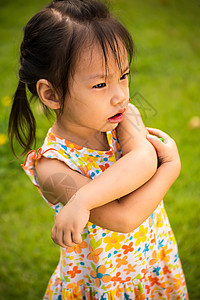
(46, 166)
(57, 181)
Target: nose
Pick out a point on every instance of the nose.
(120, 95)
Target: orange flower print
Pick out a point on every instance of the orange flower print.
(154, 258)
(114, 134)
(154, 280)
(74, 272)
(144, 271)
(119, 291)
(103, 168)
(168, 292)
(52, 137)
(147, 287)
(78, 248)
(130, 269)
(166, 270)
(84, 170)
(164, 253)
(58, 281)
(117, 278)
(128, 248)
(138, 295)
(94, 254)
(77, 292)
(141, 235)
(114, 241)
(121, 261)
(110, 152)
(100, 275)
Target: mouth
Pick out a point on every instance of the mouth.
(118, 117)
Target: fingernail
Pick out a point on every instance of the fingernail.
(149, 136)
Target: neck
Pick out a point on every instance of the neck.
(84, 137)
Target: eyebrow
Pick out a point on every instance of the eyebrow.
(102, 76)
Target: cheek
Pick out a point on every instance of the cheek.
(127, 89)
(127, 83)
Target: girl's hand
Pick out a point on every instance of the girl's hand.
(69, 223)
(167, 151)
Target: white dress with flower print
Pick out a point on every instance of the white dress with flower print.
(107, 265)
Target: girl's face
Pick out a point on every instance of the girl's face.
(95, 97)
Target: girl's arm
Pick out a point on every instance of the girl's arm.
(132, 210)
(120, 179)
(127, 213)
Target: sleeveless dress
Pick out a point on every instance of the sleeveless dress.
(108, 265)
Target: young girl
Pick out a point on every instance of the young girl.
(110, 221)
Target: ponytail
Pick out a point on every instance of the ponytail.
(22, 125)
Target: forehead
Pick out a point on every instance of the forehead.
(91, 60)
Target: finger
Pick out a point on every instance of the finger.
(67, 239)
(159, 133)
(57, 236)
(155, 141)
(53, 233)
(76, 237)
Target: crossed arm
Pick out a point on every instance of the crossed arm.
(124, 214)
(136, 203)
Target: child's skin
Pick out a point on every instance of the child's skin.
(126, 213)
(92, 100)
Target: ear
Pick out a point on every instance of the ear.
(47, 94)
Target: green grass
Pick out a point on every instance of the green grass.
(165, 86)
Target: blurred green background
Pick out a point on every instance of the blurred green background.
(165, 87)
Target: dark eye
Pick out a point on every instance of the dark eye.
(100, 85)
(124, 76)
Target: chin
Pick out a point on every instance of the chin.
(113, 126)
(109, 127)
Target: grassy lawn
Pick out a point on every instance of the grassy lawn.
(165, 87)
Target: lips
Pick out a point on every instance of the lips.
(117, 117)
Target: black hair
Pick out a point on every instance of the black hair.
(52, 42)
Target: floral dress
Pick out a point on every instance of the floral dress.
(108, 265)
